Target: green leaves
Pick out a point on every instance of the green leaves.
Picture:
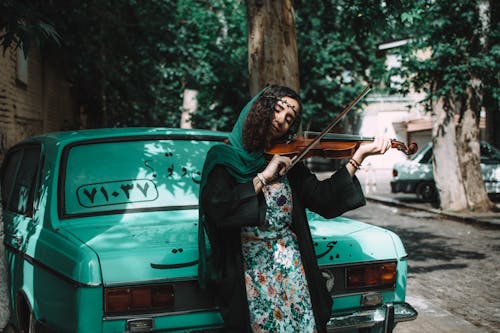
(452, 30)
(23, 25)
(337, 42)
(130, 61)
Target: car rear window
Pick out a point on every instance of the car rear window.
(107, 177)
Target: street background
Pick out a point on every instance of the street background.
(452, 257)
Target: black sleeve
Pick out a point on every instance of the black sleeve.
(228, 204)
(330, 197)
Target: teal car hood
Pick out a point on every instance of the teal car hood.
(138, 247)
(345, 241)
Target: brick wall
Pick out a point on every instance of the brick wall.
(44, 103)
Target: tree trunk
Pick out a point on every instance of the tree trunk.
(469, 151)
(468, 135)
(189, 106)
(457, 164)
(492, 103)
(447, 173)
(272, 47)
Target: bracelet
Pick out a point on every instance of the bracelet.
(355, 164)
(261, 179)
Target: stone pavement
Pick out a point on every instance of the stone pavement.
(432, 318)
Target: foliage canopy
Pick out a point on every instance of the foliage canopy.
(461, 41)
(130, 61)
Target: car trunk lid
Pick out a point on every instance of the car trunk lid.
(138, 247)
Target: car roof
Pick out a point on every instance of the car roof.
(67, 137)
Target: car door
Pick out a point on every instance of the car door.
(19, 173)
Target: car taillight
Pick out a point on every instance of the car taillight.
(373, 275)
(394, 172)
(140, 298)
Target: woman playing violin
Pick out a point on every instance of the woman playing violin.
(262, 264)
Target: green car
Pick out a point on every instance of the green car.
(100, 235)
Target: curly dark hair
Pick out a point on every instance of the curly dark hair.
(258, 121)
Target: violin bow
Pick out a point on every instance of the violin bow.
(334, 122)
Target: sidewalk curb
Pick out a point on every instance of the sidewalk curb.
(485, 220)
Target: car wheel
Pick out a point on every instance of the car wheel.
(427, 192)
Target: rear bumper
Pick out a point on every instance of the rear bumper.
(405, 186)
(385, 316)
(492, 188)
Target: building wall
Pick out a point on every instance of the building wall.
(389, 116)
(402, 119)
(38, 102)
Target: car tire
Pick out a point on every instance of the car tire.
(426, 191)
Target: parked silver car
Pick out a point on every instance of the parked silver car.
(416, 175)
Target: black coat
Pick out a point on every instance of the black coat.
(229, 205)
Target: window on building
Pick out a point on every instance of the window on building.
(21, 67)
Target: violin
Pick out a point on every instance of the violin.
(335, 145)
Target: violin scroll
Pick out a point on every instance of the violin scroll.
(407, 150)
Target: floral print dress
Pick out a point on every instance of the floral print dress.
(277, 292)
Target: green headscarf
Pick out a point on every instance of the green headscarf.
(242, 165)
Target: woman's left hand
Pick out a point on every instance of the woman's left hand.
(378, 146)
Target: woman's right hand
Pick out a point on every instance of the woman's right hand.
(276, 167)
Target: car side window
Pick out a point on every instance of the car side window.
(9, 170)
(489, 154)
(23, 189)
(427, 158)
